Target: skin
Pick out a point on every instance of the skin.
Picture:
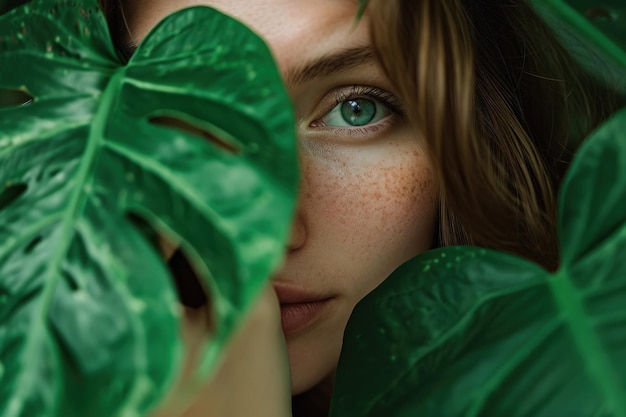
(368, 197)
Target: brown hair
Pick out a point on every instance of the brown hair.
(494, 96)
(110, 8)
(113, 13)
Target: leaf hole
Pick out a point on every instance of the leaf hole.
(14, 98)
(11, 193)
(191, 292)
(198, 321)
(32, 245)
(54, 172)
(71, 281)
(600, 13)
(196, 130)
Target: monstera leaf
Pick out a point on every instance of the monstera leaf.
(194, 137)
(465, 331)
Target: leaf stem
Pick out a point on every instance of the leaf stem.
(38, 334)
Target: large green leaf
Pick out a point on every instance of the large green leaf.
(465, 331)
(594, 32)
(89, 320)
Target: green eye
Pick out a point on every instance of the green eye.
(356, 112)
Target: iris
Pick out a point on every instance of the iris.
(358, 111)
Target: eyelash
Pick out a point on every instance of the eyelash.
(384, 97)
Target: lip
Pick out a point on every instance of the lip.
(299, 308)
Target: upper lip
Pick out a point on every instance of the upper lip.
(291, 294)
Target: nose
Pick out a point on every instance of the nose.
(299, 224)
(298, 232)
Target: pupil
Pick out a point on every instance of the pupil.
(358, 112)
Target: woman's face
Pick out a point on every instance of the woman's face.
(367, 198)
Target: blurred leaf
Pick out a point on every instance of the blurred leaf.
(361, 11)
(600, 27)
(194, 136)
(464, 331)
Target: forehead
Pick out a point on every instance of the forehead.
(297, 31)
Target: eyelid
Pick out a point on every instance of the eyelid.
(385, 97)
(341, 94)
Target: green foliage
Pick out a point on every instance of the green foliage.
(599, 30)
(195, 138)
(362, 6)
(187, 137)
(464, 331)
(607, 17)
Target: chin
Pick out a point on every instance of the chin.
(313, 359)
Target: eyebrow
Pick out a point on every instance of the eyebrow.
(328, 64)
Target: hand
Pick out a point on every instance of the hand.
(253, 378)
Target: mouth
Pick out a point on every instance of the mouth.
(299, 309)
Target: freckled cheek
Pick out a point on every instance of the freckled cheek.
(378, 209)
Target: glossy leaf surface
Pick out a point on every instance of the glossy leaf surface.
(194, 136)
(465, 331)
